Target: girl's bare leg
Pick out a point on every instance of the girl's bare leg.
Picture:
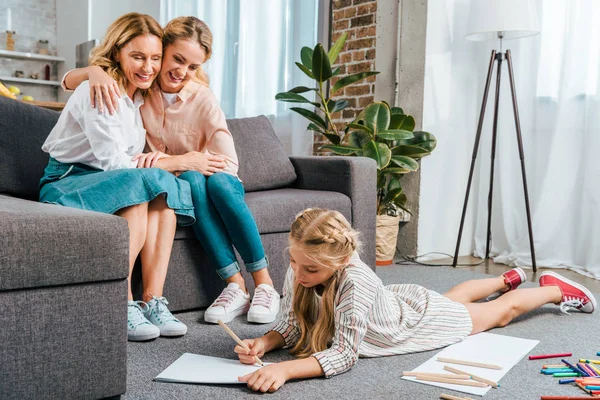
(476, 289)
(501, 311)
(137, 220)
(156, 252)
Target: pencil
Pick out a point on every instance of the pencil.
(469, 363)
(433, 374)
(238, 340)
(452, 381)
(543, 356)
(474, 377)
(566, 398)
(444, 396)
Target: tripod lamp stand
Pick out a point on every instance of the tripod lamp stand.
(499, 20)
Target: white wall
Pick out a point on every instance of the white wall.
(104, 12)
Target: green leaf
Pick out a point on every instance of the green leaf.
(306, 70)
(358, 138)
(333, 138)
(306, 55)
(335, 106)
(415, 152)
(396, 110)
(349, 80)
(405, 162)
(294, 98)
(394, 183)
(377, 117)
(424, 140)
(300, 89)
(395, 196)
(343, 150)
(313, 127)
(378, 152)
(353, 125)
(396, 170)
(321, 68)
(336, 72)
(395, 134)
(380, 181)
(336, 48)
(311, 116)
(401, 121)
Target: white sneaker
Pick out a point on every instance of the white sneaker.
(159, 315)
(138, 327)
(231, 302)
(265, 304)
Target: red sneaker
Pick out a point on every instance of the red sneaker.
(514, 278)
(574, 295)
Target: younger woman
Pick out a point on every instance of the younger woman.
(92, 166)
(336, 309)
(183, 119)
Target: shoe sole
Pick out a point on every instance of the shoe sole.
(574, 284)
(142, 338)
(261, 319)
(225, 318)
(173, 333)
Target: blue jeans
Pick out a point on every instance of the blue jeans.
(223, 220)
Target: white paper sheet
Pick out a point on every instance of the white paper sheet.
(487, 348)
(194, 368)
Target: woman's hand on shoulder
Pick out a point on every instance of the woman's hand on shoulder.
(148, 160)
(266, 379)
(104, 90)
(205, 163)
(256, 346)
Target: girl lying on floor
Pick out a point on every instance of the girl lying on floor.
(336, 309)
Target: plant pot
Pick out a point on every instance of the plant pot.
(386, 237)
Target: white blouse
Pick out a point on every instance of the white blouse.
(85, 135)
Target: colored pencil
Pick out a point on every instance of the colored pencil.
(587, 369)
(565, 398)
(469, 363)
(574, 368)
(450, 397)
(432, 374)
(474, 377)
(588, 381)
(565, 374)
(238, 340)
(452, 381)
(541, 356)
(553, 366)
(583, 360)
(582, 387)
(598, 353)
(563, 381)
(596, 369)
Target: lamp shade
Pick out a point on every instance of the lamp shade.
(515, 18)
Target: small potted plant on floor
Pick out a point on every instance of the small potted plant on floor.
(384, 133)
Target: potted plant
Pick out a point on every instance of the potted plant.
(381, 132)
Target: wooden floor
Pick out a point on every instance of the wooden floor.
(489, 267)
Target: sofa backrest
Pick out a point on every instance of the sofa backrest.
(263, 161)
(24, 128)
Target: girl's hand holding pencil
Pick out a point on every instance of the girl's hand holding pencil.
(266, 379)
(255, 348)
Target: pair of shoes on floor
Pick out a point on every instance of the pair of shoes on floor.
(574, 295)
(146, 321)
(233, 302)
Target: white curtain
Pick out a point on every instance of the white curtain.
(255, 45)
(556, 77)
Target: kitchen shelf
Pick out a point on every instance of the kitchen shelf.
(27, 80)
(30, 56)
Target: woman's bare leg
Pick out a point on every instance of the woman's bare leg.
(137, 220)
(156, 252)
(501, 311)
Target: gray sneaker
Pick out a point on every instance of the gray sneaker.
(138, 327)
(160, 316)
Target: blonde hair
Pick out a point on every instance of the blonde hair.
(123, 30)
(191, 28)
(327, 239)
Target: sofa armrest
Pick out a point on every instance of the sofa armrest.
(356, 177)
(48, 245)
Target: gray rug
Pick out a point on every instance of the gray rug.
(377, 378)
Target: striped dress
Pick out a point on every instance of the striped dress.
(373, 320)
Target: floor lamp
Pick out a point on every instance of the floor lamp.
(499, 20)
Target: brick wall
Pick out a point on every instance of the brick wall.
(357, 19)
(32, 20)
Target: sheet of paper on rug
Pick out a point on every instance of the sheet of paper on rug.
(195, 368)
(489, 348)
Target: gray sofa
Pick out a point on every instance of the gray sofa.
(63, 271)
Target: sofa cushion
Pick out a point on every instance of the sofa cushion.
(263, 162)
(275, 210)
(23, 130)
(49, 245)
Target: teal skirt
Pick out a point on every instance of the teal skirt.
(88, 188)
